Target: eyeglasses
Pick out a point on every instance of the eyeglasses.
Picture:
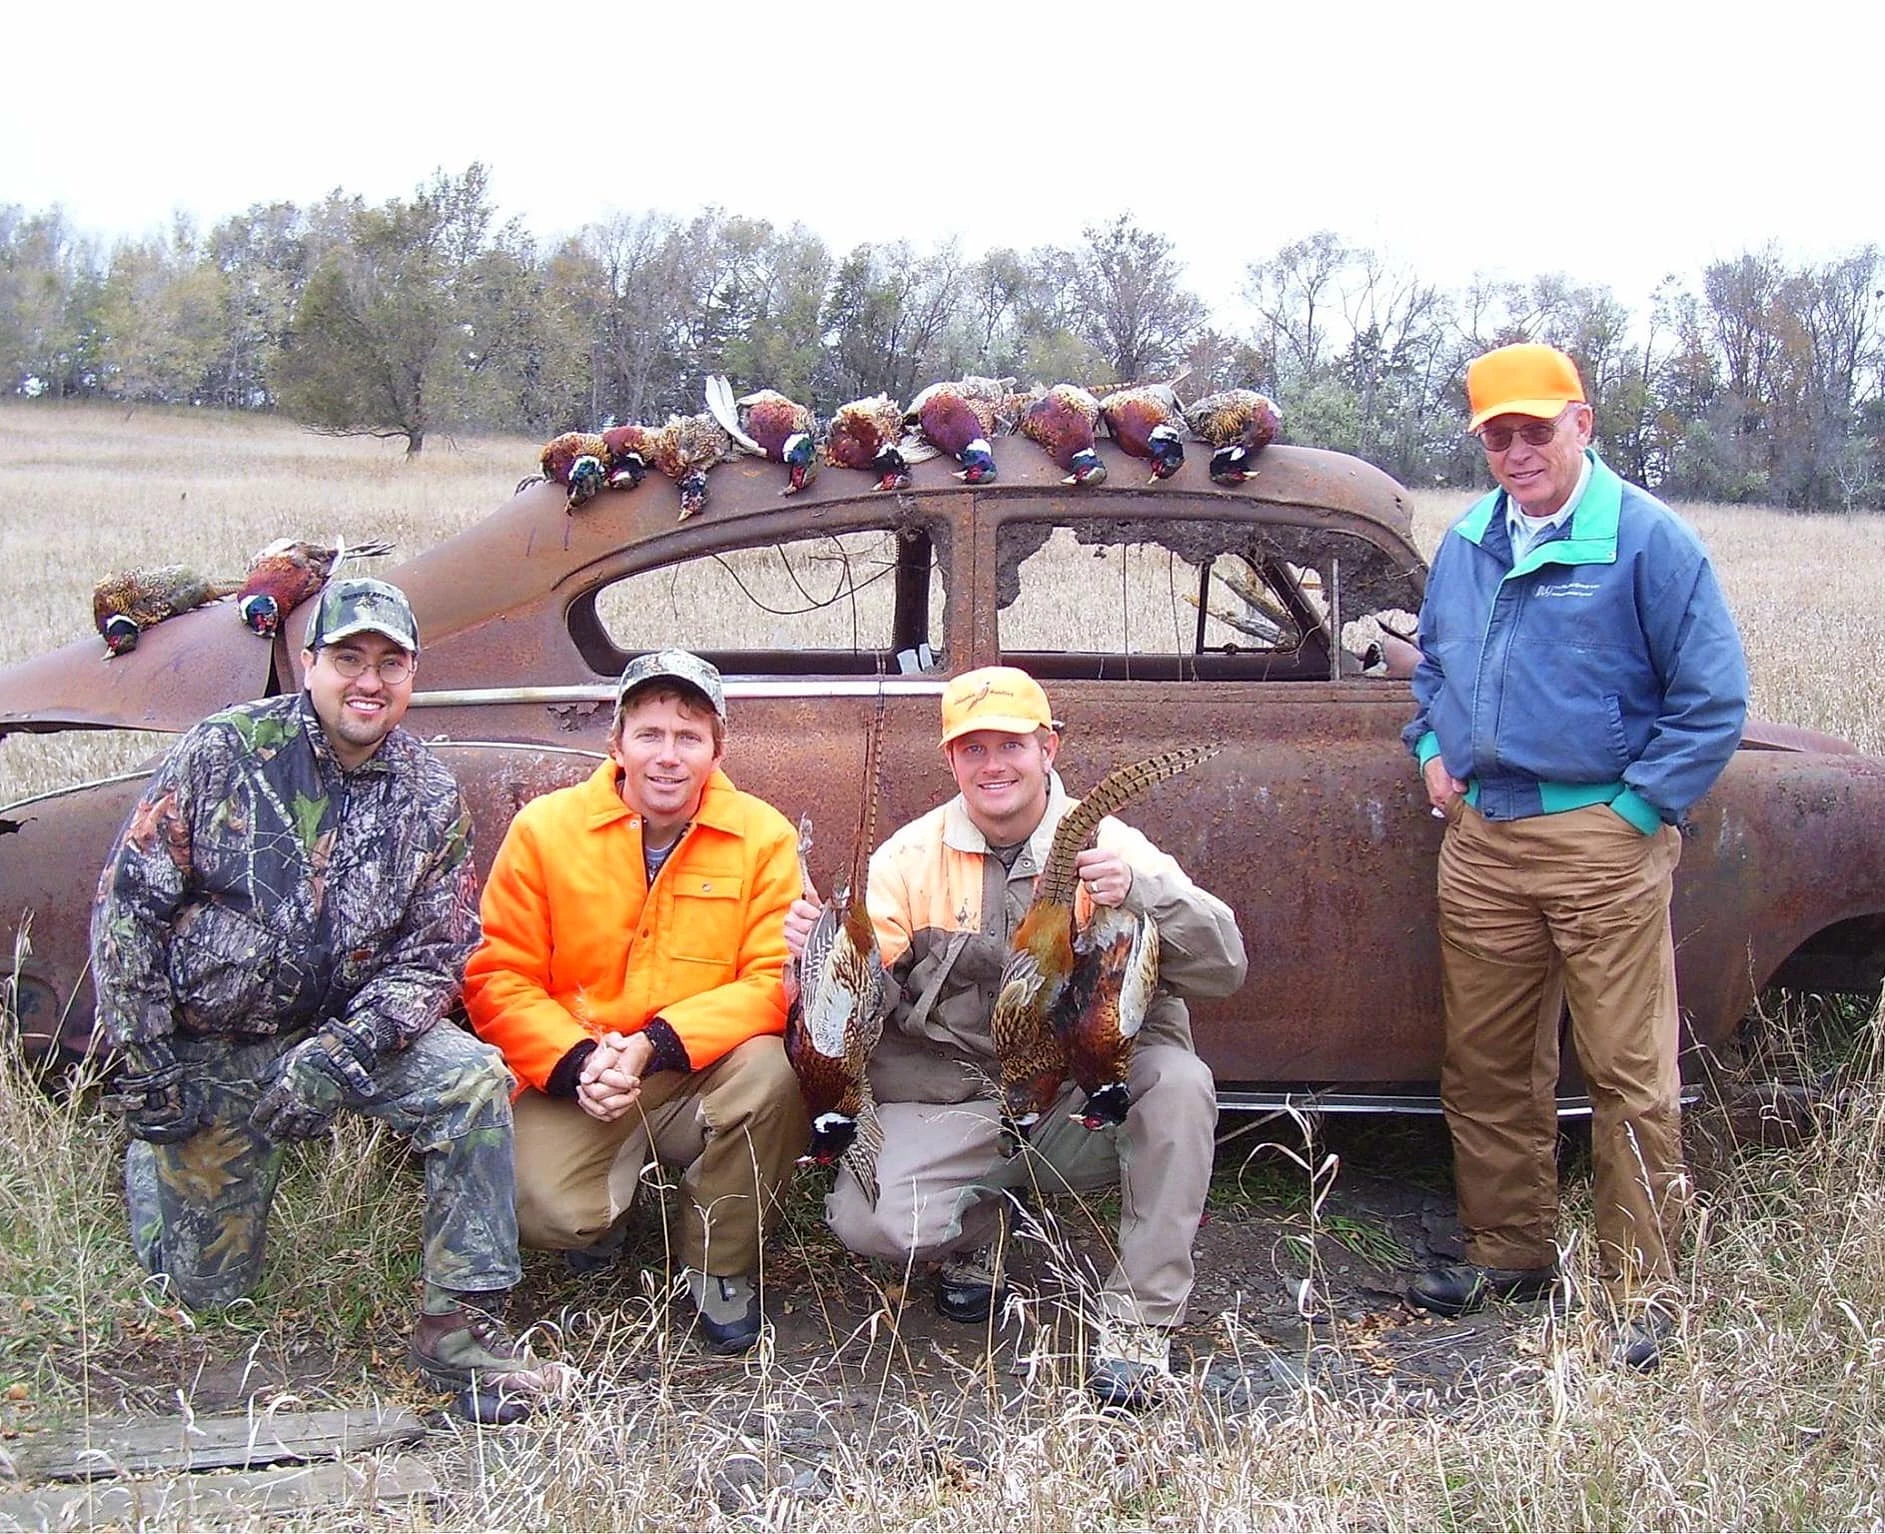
(353, 665)
(1496, 439)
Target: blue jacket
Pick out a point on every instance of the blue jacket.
(1603, 668)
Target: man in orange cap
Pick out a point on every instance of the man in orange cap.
(1581, 686)
(946, 894)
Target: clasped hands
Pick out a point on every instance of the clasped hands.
(610, 1079)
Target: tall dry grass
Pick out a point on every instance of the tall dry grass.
(86, 488)
(1768, 1413)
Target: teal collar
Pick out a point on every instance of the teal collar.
(1591, 538)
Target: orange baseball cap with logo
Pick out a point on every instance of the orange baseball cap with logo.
(1526, 379)
(995, 698)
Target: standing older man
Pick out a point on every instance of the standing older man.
(946, 894)
(630, 972)
(1581, 686)
(277, 938)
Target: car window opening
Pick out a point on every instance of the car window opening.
(1205, 601)
(860, 603)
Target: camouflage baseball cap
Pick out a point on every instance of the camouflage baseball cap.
(361, 606)
(676, 665)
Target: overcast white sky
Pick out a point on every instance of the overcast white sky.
(1613, 142)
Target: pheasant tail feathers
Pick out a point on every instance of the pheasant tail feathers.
(1112, 792)
(861, 1155)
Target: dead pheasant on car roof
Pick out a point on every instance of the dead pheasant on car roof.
(1147, 421)
(1062, 421)
(126, 602)
(1239, 424)
(959, 418)
(684, 450)
(289, 571)
(770, 426)
(578, 461)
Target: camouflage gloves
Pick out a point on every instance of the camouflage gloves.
(159, 1100)
(314, 1081)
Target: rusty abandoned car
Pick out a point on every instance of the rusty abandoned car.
(1177, 612)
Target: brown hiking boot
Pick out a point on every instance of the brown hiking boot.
(469, 1347)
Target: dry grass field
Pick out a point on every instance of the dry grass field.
(1769, 1413)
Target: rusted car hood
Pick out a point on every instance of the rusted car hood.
(181, 670)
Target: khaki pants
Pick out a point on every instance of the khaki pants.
(941, 1177)
(734, 1130)
(1574, 904)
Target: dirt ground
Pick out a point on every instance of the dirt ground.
(1296, 1281)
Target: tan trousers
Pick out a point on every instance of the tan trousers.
(735, 1131)
(1577, 901)
(941, 1176)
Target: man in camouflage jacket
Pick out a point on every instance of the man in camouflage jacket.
(276, 937)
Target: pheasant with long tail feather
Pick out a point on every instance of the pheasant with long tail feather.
(843, 995)
(289, 571)
(770, 426)
(1030, 1042)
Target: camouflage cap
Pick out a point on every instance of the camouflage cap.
(362, 606)
(674, 665)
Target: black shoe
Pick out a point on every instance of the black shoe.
(1131, 1365)
(728, 1310)
(1464, 1287)
(1640, 1340)
(967, 1289)
(600, 1257)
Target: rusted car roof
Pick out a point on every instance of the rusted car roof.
(532, 555)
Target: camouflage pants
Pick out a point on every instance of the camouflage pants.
(199, 1208)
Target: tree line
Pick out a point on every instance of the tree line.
(429, 314)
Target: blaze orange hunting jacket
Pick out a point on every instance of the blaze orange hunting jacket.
(577, 945)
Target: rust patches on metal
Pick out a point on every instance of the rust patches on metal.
(574, 717)
(1310, 820)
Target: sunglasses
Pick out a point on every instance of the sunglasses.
(1496, 439)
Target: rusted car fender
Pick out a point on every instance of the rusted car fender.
(181, 671)
(61, 840)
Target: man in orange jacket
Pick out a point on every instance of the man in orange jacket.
(643, 1015)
